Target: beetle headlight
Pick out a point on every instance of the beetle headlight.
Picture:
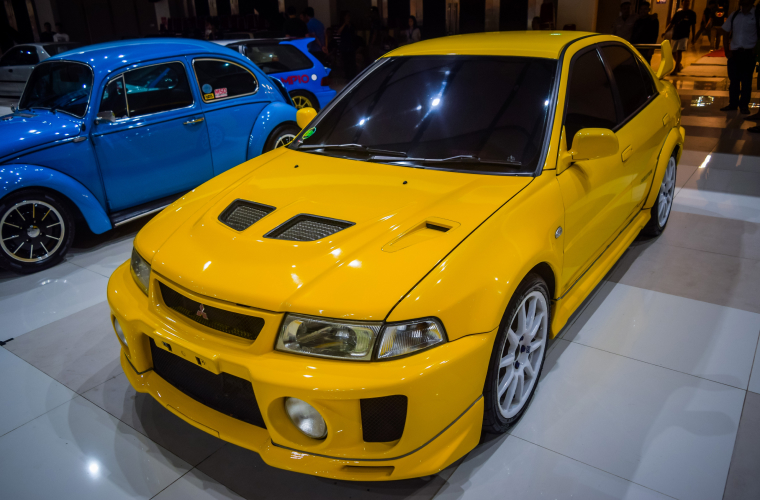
(140, 271)
(399, 339)
(355, 340)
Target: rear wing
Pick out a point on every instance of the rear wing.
(666, 62)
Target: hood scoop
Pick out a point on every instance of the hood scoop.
(307, 228)
(242, 214)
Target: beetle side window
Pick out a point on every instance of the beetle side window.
(114, 99)
(277, 58)
(589, 96)
(157, 88)
(20, 56)
(628, 78)
(223, 79)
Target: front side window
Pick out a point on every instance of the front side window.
(630, 83)
(466, 113)
(220, 79)
(59, 86)
(157, 88)
(114, 99)
(277, 58)
(20, 56)
(590, 103)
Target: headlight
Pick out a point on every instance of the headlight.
(327, 338)
(405, 338)
(140, 271)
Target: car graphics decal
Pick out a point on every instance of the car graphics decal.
(220, 92)
(208, 97)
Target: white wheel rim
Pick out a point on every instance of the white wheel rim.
(31, 239)
(522, 354)
(284, 140)
(665, 198)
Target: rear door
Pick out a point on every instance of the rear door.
(158, 145)
(15, 67)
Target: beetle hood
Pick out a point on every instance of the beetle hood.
(394, 224)
(25, 130)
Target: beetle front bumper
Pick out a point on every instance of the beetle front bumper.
(443, 386)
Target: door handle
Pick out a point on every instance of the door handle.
(627, 152)
(192, 122)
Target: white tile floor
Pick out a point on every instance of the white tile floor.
(652, 392)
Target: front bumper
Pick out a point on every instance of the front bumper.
(443, 386)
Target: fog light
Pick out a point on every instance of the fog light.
(119, 331)
(306, 418)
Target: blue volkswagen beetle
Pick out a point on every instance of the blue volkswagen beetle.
(117, 131)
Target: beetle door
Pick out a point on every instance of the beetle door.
(158, 145)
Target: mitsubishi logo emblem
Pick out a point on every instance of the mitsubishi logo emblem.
(201, 312)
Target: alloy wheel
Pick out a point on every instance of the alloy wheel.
(31, 231)
(301, 102)
(284, 140)
(667, 190)
(522, 354)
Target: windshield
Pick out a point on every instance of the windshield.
(59, 86)
(465, 113)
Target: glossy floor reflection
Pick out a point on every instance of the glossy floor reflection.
(651, 392)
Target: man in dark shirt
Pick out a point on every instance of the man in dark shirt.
(645, 30)
(47, 34)
(293, 26)
(684, 21)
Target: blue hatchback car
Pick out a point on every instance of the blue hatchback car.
(305, 78)
(117, 131)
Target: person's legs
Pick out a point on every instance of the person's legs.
(733, 84)
(747, 70)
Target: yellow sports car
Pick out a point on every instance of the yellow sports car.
(364, 302)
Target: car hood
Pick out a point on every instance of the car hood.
(24, 130)
(405, 220)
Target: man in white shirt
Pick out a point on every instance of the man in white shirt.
(739, 41)
(60, 36)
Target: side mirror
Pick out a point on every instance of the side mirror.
(304, 116)
(105, 117)
(14, 108)
(666, 63)
(588, 144)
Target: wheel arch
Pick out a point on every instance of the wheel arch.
(673, 143)
(34, 177)
(272, 116)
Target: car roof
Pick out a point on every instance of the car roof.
(257, 41)
(545, 44)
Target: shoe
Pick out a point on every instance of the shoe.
(754, 118)
(729, 108)
(754, 129)
(744, 110)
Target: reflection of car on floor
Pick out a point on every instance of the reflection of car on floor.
(17, 63)
(363, 303)
(118, 131)
(305, 78)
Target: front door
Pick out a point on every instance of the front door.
(596, 193)
(15, 67)
(158, 144)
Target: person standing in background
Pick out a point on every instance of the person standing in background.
(293, 26)
(47, 34)
(623, 26)
(412, 32)
(739, 42)
(646, 29)
(61, 35)
(347, 47)
(316, 29)
(684, 22)
(716, 24)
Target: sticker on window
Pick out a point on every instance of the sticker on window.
(208, 97)
(309, 133)
(206, 88)
(220, 92)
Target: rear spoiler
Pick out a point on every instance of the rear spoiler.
(666, 63)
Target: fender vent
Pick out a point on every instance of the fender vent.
(383, 419)
(242, 214)
(307, 228)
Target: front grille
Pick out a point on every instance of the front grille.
(224, 393)
(383, 419)
(307, 228)
(242, 214)
(240, 325)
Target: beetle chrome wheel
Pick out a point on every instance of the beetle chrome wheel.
(31, 231)
(301, 102)
(522, 354)
(665, 198)
(284, 140)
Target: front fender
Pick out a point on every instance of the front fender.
(15, 177)
(675, 140)
(272, 116)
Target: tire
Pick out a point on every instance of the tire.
(507, 378)
(304, 99)
(664, 203)
(39, 222)
(281, 136)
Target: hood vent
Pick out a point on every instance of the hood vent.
(242, 214)
(307, 228)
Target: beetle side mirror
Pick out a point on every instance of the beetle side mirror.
(304, 116)
(105, 117)
(588, 144)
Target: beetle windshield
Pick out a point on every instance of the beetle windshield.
(59, 86)
(465, 113)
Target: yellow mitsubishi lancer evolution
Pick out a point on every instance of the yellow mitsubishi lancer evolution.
(362, 303)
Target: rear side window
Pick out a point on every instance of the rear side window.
(628, 78)
(157, 88)
(220, 79)
(589, 96)
(20, 56)
(277, 58)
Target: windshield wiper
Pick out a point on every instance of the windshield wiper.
(354, 147)
(470, 159)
